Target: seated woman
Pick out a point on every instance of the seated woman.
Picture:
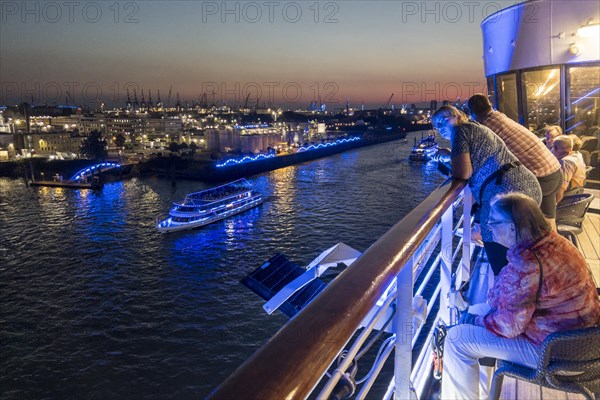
(546, 288)
(482, 157)
(552, 132)
(572, 167)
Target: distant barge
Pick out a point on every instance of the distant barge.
(95, 185)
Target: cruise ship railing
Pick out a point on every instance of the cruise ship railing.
(375, 294)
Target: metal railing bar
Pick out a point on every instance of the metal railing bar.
(458, 200)
(426, 350)
(354, 349)
(377, 359)
(403, 329)
(429, 308)
(463, 271)
(425, 358)
(428, 276)
(376, 369)
(457, 250)
(380, 332)
(425, 362)
(390, 390)
(425, 253)
(294, 360)
(382, 360)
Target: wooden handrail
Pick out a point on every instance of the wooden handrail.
(293, 361)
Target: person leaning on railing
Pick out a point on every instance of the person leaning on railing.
(528, 149)
(546, 288)
(481, 156)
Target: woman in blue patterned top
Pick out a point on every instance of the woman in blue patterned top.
(480, 156)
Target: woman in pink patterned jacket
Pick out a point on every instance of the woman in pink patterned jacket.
(546, 287)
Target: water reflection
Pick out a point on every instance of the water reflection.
(95, 298)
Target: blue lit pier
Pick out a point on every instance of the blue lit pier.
(87, 178)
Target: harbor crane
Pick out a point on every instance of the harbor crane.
(69, 97)
(136, 104)
(203, 102)
(169, 97)
(212, 93)
(128, 102)
(387, 103)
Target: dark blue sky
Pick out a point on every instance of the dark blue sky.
(281, 51)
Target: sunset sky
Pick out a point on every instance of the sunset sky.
(288, 53)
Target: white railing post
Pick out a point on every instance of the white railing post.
(446, 264)
(403, 329)
(465, 266)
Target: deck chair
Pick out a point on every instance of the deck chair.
(570, 362)
(570, 213)
(588, 169)
(587, 157)
(589, 143)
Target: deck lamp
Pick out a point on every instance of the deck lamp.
(575, 49)
(589, 30)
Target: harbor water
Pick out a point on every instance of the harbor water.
(97, 304)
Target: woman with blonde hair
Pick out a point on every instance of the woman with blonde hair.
(545, 288)
(551, 132)
(481, 156)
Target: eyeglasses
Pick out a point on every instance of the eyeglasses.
(498, 222)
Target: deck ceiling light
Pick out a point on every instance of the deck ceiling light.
(575, 49)
(589, 30)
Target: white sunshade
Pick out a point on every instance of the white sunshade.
(340, 253)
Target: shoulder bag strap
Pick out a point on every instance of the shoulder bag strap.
(497, 175)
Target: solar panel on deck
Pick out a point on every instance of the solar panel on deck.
(272, 276)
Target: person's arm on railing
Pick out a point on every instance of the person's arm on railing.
(461, 163)
(461, 166)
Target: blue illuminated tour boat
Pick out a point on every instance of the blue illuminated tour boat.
(207, 206)
(425, 149)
